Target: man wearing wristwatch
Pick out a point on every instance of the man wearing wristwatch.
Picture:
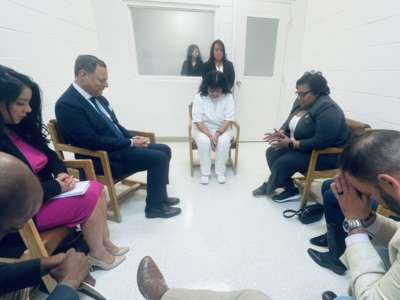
(370, 168)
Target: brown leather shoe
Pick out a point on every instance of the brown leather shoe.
(150, 281)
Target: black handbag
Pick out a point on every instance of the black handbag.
(307, 215)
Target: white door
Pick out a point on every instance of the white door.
(260, 35)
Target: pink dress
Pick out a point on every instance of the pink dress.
(69, 211)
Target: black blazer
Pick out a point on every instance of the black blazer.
(323, 125)
(50, 186)
(189, 70)
(81, 125)
(229, 71)
(17, 276)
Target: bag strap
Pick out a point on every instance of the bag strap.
(290, 213)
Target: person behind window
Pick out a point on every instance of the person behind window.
(193, 64)
(219, 62)
(212, 115)
(22, 135)
(315, 122)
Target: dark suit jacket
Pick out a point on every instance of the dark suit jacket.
(189, 70)
(229, 71)
(55, 166)
(17, 276)
(81, 125)
(323, 125)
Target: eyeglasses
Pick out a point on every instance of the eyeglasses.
(302, 94)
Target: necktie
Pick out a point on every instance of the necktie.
(109, 122)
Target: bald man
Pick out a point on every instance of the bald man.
(20, 198)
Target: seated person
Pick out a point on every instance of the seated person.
(86, 119)
(315, 122)
(370, 168)
(335, 235)
(193, 65)
(22, 135)
(18, 183)
(212, 115)
(152, 286)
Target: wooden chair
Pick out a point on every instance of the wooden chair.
(106, 177)
(304, 182)
(45, 243)
(385, 211)
(234, 145)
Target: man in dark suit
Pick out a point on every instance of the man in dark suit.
(86, 119)
(19, 184)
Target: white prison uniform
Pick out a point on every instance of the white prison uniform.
(212, 113)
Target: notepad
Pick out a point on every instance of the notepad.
(80, 189)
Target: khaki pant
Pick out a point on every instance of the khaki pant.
(18, 295)
(185, 294)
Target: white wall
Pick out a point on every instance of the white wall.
(151, 103)
(42, 39)
(356, 45)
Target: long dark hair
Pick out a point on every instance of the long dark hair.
(211, 59)
(190, 50)
(214, 79)
(31, 127)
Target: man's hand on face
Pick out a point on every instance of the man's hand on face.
(354, 205)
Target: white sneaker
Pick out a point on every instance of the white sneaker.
(204, 179)
(221, 179)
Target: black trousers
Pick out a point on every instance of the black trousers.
(155, 159)
(284, 163)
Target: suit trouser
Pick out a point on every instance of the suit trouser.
(284, 163)
(17, 295)
(155, 159)
(186, 294)
(204, 147)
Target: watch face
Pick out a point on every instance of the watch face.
(349, 225)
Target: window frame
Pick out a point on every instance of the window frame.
(193, 7)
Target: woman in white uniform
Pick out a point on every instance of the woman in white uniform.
(212, 116)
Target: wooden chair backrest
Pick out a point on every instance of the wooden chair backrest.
(357, 127)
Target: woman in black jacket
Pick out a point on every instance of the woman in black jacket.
(193, 64)
(22, 135)
(219, 62)
(315, 122)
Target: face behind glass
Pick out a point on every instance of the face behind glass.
(218, 53)
(19, 109)
(375, 191)
(94, 83)
(195, 53)
(305, 96)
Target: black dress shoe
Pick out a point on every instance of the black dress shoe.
(287, 195)
(261, 190)
(328, 295)
(320, 241)
(327, 260)
(171, 201)
(162, 211)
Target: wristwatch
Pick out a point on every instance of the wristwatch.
(291, 145)
(350, 225)
(219, 132)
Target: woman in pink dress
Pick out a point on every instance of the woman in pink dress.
(22, 135)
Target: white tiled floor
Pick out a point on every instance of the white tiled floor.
(225, 238)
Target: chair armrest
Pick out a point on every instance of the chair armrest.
(81, 151)
(150, 135)
(85, 164)
(330, 150)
